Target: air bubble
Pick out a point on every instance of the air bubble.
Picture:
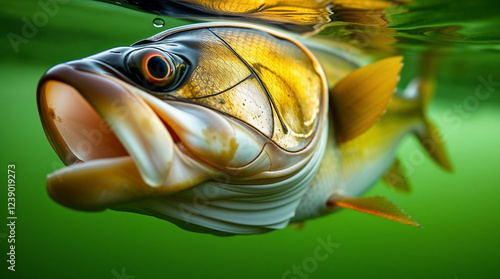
(158, 22)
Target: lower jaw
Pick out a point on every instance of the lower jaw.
(97, 184)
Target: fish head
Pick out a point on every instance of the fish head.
(178, 109)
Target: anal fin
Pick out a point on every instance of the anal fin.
(431, 140)
(378, 206)
(396, 179)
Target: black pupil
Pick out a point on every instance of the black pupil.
(157, 67)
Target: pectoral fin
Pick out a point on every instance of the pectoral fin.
(378, 206)
(360, 99)
(395, 178)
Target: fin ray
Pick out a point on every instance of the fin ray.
(431, 141)
(378, 206)
(360, 99)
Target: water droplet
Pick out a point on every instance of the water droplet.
(158, 22)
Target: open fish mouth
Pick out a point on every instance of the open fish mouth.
(119, 142)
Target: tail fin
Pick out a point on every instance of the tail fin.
(429, 137)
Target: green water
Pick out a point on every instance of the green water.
(460, 212)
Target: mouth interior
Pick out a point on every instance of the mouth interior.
(73, 121)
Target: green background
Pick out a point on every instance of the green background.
(460, 212)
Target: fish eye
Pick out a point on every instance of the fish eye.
(154, 69)
(157, 68)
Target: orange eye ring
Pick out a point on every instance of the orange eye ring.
(156, 68)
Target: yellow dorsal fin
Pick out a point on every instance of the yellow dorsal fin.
(396, 178)
(359, 99)
(378, 206)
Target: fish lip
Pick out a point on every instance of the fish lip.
(88, 75)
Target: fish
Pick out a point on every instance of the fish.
(230, 129)
(305, 16)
